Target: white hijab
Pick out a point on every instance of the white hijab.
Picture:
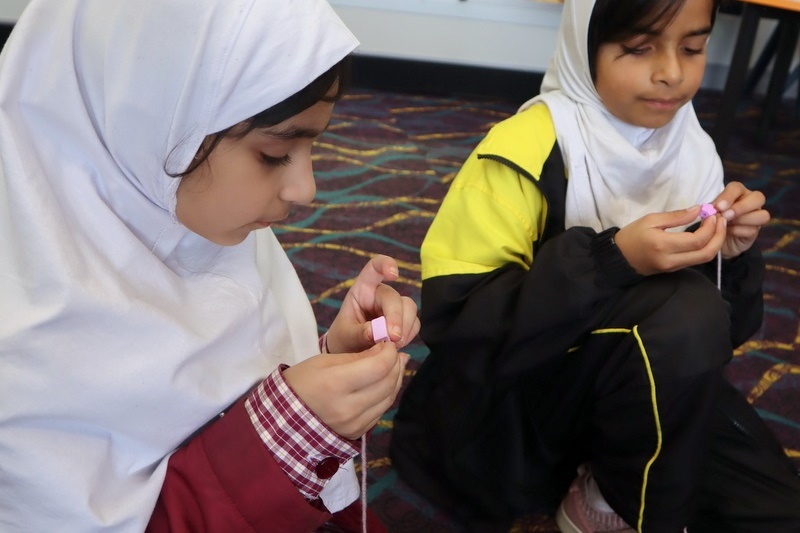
(618, 172)
(122, 332)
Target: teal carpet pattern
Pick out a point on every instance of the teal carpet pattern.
(382, 170)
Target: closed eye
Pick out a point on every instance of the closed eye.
(276, 161)
(694, 51)
(633, 50)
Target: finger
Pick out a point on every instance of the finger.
(704, 232)
(695, 248)
(754, 218)
(673, 219)
(736, 200)
(730, 195)
(743, 206)
(751, 202)
(411, 323)
(747, 233)
(710, 249)
(363, 292)
(368, 404)
(400, 312)
(364, 424)
(378, 399)
(687, 241)
(344, 360)
(389, 303)
(719, 237)
(374, 401)
(377, 269)
(361, 370)
(404, 359)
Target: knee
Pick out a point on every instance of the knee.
(690, 330)
(698, 308)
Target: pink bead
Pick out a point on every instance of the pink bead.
(706, 210)
(380, 331)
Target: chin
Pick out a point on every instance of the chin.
(654, 122)
(226, 240)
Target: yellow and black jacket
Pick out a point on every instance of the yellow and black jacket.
(506, 292)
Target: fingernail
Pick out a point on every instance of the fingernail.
(722, 205)
(393, 271)
(729, 214)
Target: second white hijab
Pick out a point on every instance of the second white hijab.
(617, 172)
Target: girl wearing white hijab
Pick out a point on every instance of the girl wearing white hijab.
(142, 144)
(574, 326)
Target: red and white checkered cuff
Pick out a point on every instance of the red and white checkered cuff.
(323, 343)
(303, 446)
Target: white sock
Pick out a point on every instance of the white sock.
(595, 498)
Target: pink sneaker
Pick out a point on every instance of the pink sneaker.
(576, 515)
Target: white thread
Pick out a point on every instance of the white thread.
(364, 483)
(719, 270)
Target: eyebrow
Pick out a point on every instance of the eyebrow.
(694, 33)
(699, 32)
(293, 132)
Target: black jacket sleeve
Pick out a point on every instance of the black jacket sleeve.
(484, 325)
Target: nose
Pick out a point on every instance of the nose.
(668, 69)
(298, 185)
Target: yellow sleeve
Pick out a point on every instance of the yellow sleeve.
(492, 213)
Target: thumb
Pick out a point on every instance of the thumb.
(371, 365)
(681, 217)
(352, 357)
(378, 269)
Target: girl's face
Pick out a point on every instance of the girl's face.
(645, 80)
(250, 182)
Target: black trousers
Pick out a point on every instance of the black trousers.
(747, 482)
(670, 442)
(641, 399)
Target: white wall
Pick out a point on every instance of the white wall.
(514, 34)
(10, 9)
(510, 34)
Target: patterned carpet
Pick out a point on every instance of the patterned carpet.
(382, 169)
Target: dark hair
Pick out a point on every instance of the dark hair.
(615, 21)
(316, 91)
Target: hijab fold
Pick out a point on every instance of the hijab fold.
(123, 331)
(618, 172)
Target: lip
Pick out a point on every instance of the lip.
(265, 223)
(663, 104)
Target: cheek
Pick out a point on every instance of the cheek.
(238, 182)
(226, 197)
(613, 79)
(611, 92)
(192, 199)
(697, 72)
